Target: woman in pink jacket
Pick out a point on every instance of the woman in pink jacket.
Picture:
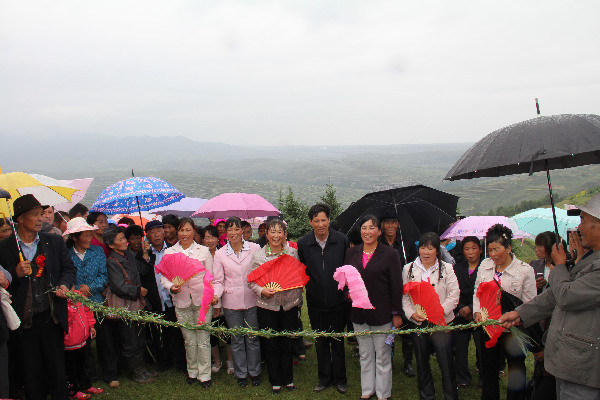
(232, 264)
(187, 299)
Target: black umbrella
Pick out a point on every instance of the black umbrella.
(539, 144)
(419, 209)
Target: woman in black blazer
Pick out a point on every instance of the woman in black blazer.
(381, 270)
(466, 273)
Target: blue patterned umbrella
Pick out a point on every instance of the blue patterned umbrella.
(123, 196)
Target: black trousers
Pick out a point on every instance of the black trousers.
(492, 360)
(407, 344)
(90, 361)
(166, 343)
(331, 355)
(442, 344)
(115, 338)
(462, 338)
(77, 374)
(4, 371)
(279, 353)
(42, 352)
(299, 347)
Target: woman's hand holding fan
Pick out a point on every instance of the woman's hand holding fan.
(178, 268)
(281, 273)
(489, 294)
(426, 302)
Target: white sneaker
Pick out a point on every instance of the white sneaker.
(230, 370)
(216, 367)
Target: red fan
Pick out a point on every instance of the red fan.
(426, 301)
(282, 273)
(489, 294)
(178, 268)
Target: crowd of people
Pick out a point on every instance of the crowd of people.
(50, 353)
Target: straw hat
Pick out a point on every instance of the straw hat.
(78, 225)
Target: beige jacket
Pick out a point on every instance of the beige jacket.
(447, 289)
(287, 298)
(517, 279)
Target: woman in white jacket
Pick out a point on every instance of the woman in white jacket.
(187, 299)
(430, 267)
(514, 277)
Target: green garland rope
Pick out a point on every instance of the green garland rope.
(146, 317)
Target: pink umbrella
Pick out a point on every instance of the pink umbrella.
(478, 226)
(82, 185)
(242, 205)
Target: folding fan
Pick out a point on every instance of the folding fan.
(178, 268)
(347, 275)
(489, 294)
(426, 301)
(282, 273)
(207, 296)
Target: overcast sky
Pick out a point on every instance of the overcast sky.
(294, 72)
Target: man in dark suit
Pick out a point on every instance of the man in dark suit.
(39, 264)
(323, 251)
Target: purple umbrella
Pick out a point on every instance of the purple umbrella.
(183, 208)
(242, 205)
(478, 226)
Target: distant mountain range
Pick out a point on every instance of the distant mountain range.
(205, 169)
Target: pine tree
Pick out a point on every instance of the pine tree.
(331, 200)
(295, 214)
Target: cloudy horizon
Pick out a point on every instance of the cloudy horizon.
(294, 72)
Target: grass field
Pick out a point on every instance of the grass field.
(171, 385)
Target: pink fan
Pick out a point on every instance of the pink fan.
(207, 295)
(178, 268)
(347, 275)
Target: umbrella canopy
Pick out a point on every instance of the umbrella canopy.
(82, 186)
(540, 220)
(48, 191)
(563, 141)
(183, 208)
(242, 205)
(419, 209)
(478, 226)
(539, 144)
(123, 196)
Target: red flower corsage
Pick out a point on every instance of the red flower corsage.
(41, 263)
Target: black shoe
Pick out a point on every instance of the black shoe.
(242, 382)
(206, 384)
(276, 391)
(342, 388)
(409, 371)
(255, 380)
(291, 387)
(190, 381)
(320, 387)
